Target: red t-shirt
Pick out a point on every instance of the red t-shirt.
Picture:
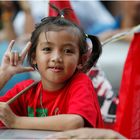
(77, 97)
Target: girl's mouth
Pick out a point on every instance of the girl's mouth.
(56, 69)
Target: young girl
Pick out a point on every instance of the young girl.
(64, 98)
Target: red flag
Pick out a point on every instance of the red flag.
(128, 112)
(61, 5)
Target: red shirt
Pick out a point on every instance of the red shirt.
(77, 97)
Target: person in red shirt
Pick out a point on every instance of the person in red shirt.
(65, 97)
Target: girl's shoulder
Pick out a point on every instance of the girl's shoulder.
(18, 88)
(81, 76)
(24, 84)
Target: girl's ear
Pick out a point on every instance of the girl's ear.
(79, 66)
(84, 58)
(33, 59)
(82, 61)
(34, 63)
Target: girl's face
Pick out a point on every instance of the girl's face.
(57, 56)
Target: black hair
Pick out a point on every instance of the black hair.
(52, 23)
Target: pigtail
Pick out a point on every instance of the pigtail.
(96, 52)
(60, 12)
(55, 8)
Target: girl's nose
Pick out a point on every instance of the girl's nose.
(56, 57)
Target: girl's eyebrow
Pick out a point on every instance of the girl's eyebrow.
(44, 43)
(65, 44)
(69, 44)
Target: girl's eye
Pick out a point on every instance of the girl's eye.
(68, 51)
(47, 49)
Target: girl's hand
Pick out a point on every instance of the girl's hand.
(12, 62)
(7, 117)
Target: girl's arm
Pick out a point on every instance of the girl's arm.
(4, 77)
(12, 63)
(57, 122)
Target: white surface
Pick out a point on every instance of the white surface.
(23, 134)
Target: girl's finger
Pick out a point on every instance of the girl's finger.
(10, 46)
(28, 69)
(12, 58)
(25, 50)
(16, 58)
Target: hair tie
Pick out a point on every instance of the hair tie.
(62, 16)
(86, 35)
